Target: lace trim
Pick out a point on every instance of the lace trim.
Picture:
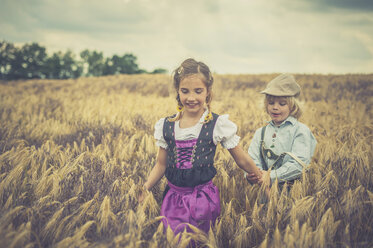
(231, 142)
(161, 143)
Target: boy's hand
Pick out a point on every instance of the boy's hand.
(266, 179)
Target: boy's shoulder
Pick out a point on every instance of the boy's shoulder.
(294, 123)
(302, 126)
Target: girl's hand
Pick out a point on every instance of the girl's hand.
(252, 178)
(143, 193)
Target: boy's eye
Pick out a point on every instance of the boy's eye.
(283, 103)
(271, 103)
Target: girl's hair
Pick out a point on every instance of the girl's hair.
(291, 101)
(192, 67)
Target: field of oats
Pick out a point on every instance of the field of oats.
(75, 153)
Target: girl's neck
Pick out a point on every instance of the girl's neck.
(189, 120)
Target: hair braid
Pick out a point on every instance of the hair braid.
(209, 116)
(179, 109)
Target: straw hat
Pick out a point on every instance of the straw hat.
(282, 85)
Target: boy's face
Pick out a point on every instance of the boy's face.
(278, 109)
(193, 93)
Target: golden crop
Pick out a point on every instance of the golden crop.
(74, 155)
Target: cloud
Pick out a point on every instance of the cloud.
(350, 5)
(231, 36)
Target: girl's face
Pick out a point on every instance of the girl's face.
(278, 109)
(193, 93)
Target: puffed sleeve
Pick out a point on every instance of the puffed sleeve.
(158, 134)
(225, 132)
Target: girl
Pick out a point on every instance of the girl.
(187, 143)
(285, 145)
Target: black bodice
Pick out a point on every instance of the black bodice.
(201, 155)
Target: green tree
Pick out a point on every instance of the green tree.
(28, 62)
(63, 65)
(71, 68)
(110, 66)
(94, 62)
(129, 65)
(53, 65)
(7, 55)
(159, 71)
(31, 61)
(125, 64)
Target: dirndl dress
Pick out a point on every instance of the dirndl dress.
(190, 196)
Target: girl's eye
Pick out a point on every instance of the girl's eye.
(283, 103)
(198, 91)
(270, 103)
(184, 91)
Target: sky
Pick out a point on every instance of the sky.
(230, 36)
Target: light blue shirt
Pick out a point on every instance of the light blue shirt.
(291, 136)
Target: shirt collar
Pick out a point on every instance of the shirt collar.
(291, 119)
(202, 119)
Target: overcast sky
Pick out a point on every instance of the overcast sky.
(230, 36)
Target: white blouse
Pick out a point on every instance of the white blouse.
(224, 132)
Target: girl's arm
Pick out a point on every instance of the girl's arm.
(225, 132)
(244, 161)
(158, 170)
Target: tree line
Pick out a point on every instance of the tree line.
(32, 61)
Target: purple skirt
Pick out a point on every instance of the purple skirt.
(199, 206)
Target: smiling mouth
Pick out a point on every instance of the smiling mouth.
(191, 105)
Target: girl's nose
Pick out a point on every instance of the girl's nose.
(191, 97)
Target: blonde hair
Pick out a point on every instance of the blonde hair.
(192, 67)
(291, 101)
